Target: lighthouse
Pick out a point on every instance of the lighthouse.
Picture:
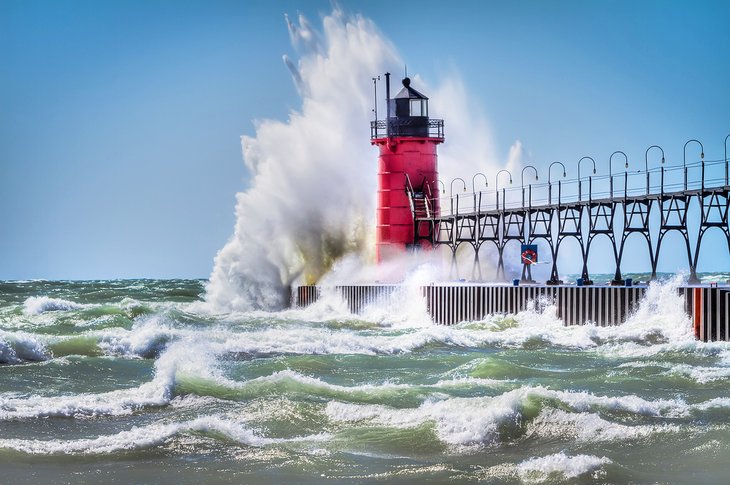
(407, 169)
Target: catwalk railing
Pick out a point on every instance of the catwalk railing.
(585, 208)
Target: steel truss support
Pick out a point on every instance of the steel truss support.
(570, 224)
(601, 221)
(636, 221)
(714, 205)
(512, 229)
(674, 208)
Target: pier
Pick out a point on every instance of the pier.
(447, 304)
(650, 203)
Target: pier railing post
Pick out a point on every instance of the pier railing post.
(590, 189)
(559, 191)
(726, 161)
(662, 183)
(702, 186)
(610, 185)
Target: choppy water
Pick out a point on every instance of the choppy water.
(133, 381)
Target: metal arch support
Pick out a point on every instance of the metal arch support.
(583, 254)
(624, 238)
(570, 216)
(601, 221)
(454, 248)
(716, 207)
(678, 206)
(501, 276)
(631, 215)
(611, 237)
(685, 236)
(478, 248)
(512, 229)
(476, 266)
(701, 234)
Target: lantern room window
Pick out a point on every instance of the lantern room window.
(419, 107)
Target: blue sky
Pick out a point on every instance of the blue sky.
(120, 120)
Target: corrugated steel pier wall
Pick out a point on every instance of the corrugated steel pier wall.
(447, 304)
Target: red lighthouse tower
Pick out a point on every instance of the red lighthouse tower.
(407, 166)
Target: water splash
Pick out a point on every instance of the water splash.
(313, 177)
(559, 466)
(35, 305)
(313, 184)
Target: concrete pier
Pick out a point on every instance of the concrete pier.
(447, 304)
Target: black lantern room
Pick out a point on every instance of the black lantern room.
(411, 112)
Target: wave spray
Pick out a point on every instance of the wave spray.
(312, 193)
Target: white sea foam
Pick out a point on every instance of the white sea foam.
(559, 465)
(718, 403)
(467, 382)
(16, 347)
(660, 313)
(518, 331)
(36, 305)
(176, 360)
(120, 402)
(700, 374)
(149, 436)
(480, 421)
(300, 339)
(406, 307)
(309, 340)
(288, 379)
(329, 307)
(659, 324)
(146, 337)
(590, 427)
(456, 420)
(151, 335)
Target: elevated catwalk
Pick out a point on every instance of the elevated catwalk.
(447, 304)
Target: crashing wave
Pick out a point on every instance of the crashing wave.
(35, 305)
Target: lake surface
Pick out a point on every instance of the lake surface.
(136, 381)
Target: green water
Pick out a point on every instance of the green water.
(140, 382)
